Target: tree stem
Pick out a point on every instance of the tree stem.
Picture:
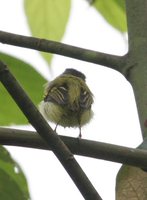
(93, 149)
(108, 60)
(137, 62)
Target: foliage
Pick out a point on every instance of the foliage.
(13, 184)
(47, 19)
(30, 80)
(113, 11)
(131, 184)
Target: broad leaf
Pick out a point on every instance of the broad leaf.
(47, 19)
(131, 184)
(13, 184)
(113, 11)
(31, 81)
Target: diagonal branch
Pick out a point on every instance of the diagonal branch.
(44, 130)
(108, 60)
(99, 150)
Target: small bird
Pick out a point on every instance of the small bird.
(68, 100)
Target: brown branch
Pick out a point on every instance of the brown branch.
(99, 150)
(108, 60)
(44, 130)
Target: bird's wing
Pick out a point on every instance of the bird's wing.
(57, 94)
(86, 99)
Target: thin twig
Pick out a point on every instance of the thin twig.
(93, 149)
(108, 60)
(44, 130)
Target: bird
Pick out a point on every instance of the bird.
(68, 100)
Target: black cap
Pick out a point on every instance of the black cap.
(75, 72)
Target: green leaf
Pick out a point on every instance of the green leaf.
(13, 184)
(131, 183)
(47, 19)
(30, 80)
(113, 11)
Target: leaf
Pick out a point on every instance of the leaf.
(113, 11)
(13, 184)
(47, 19)
(131, 184)
(31, 81)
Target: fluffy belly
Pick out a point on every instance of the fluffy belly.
(63, 116)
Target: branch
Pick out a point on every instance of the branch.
(44, 130)
(99, 150)
(137, 60)
(112, 61)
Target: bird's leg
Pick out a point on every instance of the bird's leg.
(55, 128)
(80, 134)
(79, 121)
